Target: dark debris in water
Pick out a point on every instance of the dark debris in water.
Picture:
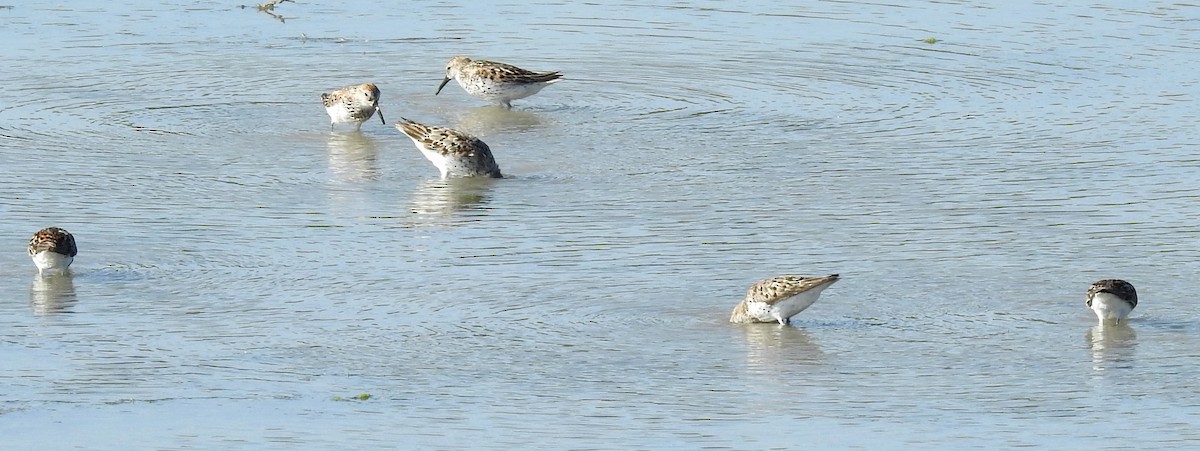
(157, 131)
(268, 7)
(340, 40)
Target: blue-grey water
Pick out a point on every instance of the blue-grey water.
(245, 273)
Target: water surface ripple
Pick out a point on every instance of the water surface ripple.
(245, 272)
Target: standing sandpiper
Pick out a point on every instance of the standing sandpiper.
(352, 104)
(1112, 299)
(496, 82)
(453, 152)
(52, 249)
(779, 298)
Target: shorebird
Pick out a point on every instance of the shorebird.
(495, 82)
(352, 104)
(779, 298)
(1112, 299)
(52, 249)
(453, 152)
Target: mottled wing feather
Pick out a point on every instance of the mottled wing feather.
(419, 132)
(1118, 287)
(55, 240)
(544, 77)
(443, 140)
(775, 289)
(501, 71)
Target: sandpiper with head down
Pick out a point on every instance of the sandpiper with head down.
(779, 298)
(453, 152)
(496, 82)
(1112, 299)
(52, 249)
(352, 104)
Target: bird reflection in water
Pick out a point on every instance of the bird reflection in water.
(492, 120)
(444, 198)
(352, 156)
(776, 350)
(51, 294)
(1112, 345)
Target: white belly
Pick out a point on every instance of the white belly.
(503, 92)
(440, 161)
(783, 310)
(47, 261)
(1108, 306)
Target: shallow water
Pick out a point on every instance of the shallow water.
(244, 271)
